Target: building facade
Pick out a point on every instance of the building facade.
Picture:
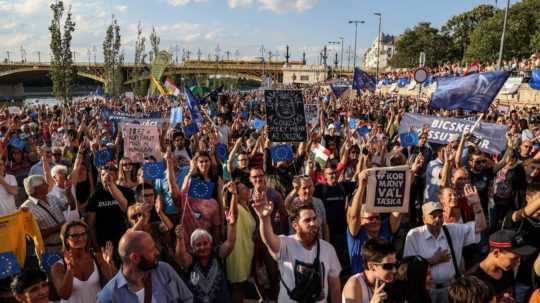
(304, 74)
(388, 49)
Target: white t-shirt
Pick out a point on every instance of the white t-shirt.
(59, 196)
(224, 133)
(140, 296)
(291, 250)
(7, 200)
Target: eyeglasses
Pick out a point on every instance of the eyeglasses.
(78, 236)
(388, 266)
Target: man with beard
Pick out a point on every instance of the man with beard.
(309, 266)
(142, 277)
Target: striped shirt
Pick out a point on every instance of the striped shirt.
(45, 219)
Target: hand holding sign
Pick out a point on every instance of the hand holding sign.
(388, 189)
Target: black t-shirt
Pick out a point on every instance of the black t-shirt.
(111, 221)
(334, 199)
(481, 181)
(500, 287)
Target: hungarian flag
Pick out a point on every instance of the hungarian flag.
(321, 154)
(171, 87)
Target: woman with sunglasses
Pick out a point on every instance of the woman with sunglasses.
(371, 285)
(81, 274)
(127, 174)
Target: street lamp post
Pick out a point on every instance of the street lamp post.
(341, 59)
(335, 43)
(355, 35)
(501, 48)
(378, 44)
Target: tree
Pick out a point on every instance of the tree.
(459, 28)
(154, 41)
(63, 71)
(421, 38)
(521, 29)
(139, 87)
(112, 59)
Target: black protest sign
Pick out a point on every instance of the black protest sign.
(285, 115)
(388, 189)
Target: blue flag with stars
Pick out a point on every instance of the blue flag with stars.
(8, 265)
(199, 189)
(154, 170)
(473, 92)
(362, 80)
(282, 152)
(193, 105)
(103, 156)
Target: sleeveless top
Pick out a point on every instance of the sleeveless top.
(367, 293)
(85, 291)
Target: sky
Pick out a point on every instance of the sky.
(238, 26)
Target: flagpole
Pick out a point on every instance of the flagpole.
(501, 48)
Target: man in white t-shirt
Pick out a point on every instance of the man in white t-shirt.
(8, 191)
(297, 254)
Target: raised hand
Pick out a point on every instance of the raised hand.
(68, 258)
(107, 252)
(471, 193)
(179, 232)
(262, 206)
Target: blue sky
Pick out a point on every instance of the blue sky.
(236, 25)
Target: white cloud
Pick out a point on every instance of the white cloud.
(24, 7)
(282, 6)
(121, 8)
(184, 2)
(7, 24)
(239, 3)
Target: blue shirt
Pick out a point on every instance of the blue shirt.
(166, 287)
(162, 188)
(355, 244)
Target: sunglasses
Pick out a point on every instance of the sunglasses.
(388, 266)
(78, 236)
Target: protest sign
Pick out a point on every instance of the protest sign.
(141, 141)
(116, 115)
(176, 116)
(312, 113)
(14, 110)
(511, 85)
(285, 115)
(440, 128)
(388, 189)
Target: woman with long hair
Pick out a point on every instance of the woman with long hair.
(127, 176)
(413, 280)
(81, 274)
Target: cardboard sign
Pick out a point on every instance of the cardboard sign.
(312, 113)
(388, 189)
(141, 141)
(285, 115)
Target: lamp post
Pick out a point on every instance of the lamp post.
(341, 59)
(378, 44)
(501, 48)
(355, 35)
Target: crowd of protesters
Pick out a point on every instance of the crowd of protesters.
(520, 68)
(285, 231)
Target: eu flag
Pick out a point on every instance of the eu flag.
(8, 265)
(473, 92)
(362, 80)
(154, 170)
(193, 105)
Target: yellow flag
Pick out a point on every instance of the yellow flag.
(13, 230)
(159, 87)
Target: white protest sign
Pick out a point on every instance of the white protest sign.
(14, 110)
(511, 85)
(312, 113)
(141, 141)
(388, 189)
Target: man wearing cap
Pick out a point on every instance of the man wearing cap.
(506, 249)
(431, 242)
